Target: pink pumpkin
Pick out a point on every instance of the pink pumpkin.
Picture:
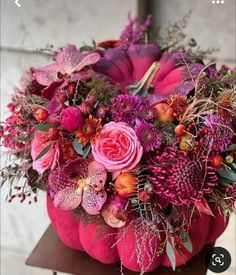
(218, 224)
(109, 245)
(198, 234)
(146, 257)
(66, 226)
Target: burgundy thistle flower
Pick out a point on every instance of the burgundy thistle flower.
(79, 183)
(125, 107)
(219, 133)
(179, 178)
(147, 135)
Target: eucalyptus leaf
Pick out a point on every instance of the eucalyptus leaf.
(86, 150)
(78, 147)
(232, 147)
(171, 254)
(43, 127)
(43, 152)
(188, 244)
(227, 174)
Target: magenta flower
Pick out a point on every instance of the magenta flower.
(71, 118)
(179, 179)
(176, 73)
(147, 135)
(69, 65)
(79, 183)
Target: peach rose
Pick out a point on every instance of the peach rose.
(114, 212)
(49, 160)
(117, 148)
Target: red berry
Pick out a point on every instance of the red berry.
(180, 130)
(217, 161)
(53, 133)
(144, 196)
(41, 114)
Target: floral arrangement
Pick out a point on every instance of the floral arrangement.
(133, 137)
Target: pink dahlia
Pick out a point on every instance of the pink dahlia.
(79, 183)
(147, 135)
(179, 179)
(71, 118)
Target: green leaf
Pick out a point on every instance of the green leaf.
(232, 147)
(227, 174)
(171, 254)
(188, 244)
(86, 151)
(78, 147)
(86, 48)
(43, 127)
(43, 152)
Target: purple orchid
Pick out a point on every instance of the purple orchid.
(79, 183)
(69, 65)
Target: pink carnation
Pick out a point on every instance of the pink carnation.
(49, 160)
(71, 118)
(117, 148)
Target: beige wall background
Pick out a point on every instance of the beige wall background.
(58, 22)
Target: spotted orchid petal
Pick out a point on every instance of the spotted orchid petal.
(97, 175)
(47, 75)
(93, 201)
(68, 58)
(68, 198)
(87, 60)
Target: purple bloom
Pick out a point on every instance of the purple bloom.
(147, 135)
(125, 107)
(133, 32)
(219, 134)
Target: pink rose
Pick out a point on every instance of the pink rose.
(49, 160)
(117, 148)
(114, 212)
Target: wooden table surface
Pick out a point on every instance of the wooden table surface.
(51, 253)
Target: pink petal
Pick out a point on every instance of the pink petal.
(87, 60)
(83, 75)
(46, 75)
(142, 57)
(68, 58)
(51, 89)
(97, 174)
(68, 198)
(93, 201)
